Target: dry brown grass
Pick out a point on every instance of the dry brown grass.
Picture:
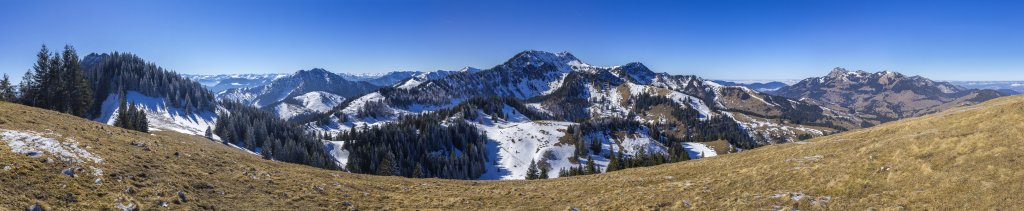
(964, 158)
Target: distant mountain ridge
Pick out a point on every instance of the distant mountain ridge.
(883, 96)
(759, 86)
(305, 91)
(219, 83)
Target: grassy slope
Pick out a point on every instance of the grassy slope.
(962, 158)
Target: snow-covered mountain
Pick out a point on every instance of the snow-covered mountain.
(572, 93)
(883, 96)
(381, 79)
(402, 78)
(219, 83)
(1005, 87)
(564, 86)
(304, 92)
(761, 86)
(418, 79)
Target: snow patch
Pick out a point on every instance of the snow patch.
(698, 150)
(334, 148)
(34, 144)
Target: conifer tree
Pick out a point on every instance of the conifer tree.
(7, 93)
(595, 146)
(32, 92)
(613, 163)
(418, 171)
(142, 122)
(591, 169)
(531, 171)
(26, 87)
(76, 91)
(209, 133)
(543, 174)
(388, 166)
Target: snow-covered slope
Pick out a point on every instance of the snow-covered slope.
(160, 115)
(310, 102)
(517, 140)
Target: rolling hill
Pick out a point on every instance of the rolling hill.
(961, 158)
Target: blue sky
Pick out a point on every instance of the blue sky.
(719, 39)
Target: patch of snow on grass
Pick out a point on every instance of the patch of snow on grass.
(34, 144)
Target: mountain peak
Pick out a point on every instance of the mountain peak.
(314, 72)
(838, 72)
(535, 57)
(469, 69)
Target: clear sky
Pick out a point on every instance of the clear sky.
(718, 39)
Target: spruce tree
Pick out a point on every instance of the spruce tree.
(142, 122)
(595, 146)
(591, 169)
(209, 133)
(26, 87)
(32, 93)
(76, 92)
(531, 171)
(613, 163)
(418, 171)
(388, 166)
(51, 94)
(543, 174)
(122, 113)
(7, 90)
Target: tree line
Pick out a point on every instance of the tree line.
(273, 138)
(56, 82)
(110, 73)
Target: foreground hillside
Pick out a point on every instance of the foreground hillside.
(958, 159)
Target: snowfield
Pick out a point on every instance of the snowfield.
(516, 141)
(514, 144)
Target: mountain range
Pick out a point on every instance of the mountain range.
(538, 115)
(57, 161)
(883, 96)
(545, 92)
(499, 123)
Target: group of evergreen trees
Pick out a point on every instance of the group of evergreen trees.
(114, 72)
(417, 146)
(535, 171)
(426, 145)
(56, 82)
(260, 131)
(131, 117)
